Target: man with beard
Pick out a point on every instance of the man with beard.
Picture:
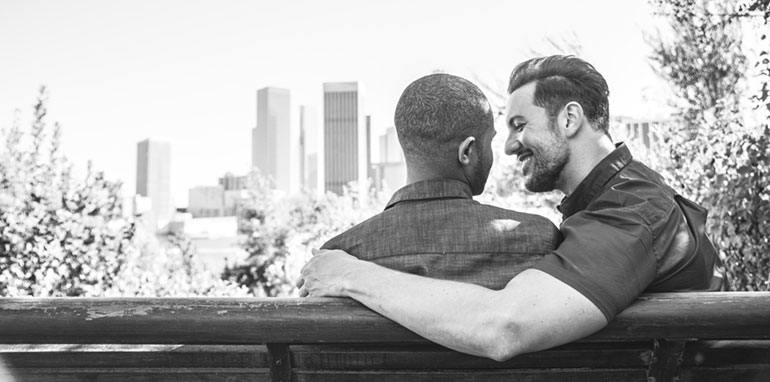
(432, 226)
(625, 232)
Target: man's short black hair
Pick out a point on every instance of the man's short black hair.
(563, 79)
(437, 112)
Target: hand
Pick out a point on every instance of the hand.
(325, 273)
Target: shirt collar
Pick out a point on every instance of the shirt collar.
(595, 181)
(432, 189)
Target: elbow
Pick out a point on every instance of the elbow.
(505, 342)
(504, 351)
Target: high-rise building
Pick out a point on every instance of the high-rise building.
(274, 141)
(153, 181)
(345, 146)
(369, 168)
(311, 147)
(390, 171)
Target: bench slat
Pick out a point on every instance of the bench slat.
(326, 357)
(136, 375)
(708, 315)
(551, 375)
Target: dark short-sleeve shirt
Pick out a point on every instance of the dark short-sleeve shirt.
(626, 232)
(435, 229)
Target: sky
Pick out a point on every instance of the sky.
(185, 71)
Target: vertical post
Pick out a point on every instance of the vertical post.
(666, 361)
(279, 357)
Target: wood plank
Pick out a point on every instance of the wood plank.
(72, 355)
(732, 354)
(134, 375)
(707, 315)
(426, 357)
(553, 375)
(754, 374)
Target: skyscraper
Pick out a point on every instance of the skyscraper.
(153, 181)
(345, 145)
(274, 141)
(390, 171)
(311, 146)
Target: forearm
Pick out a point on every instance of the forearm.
(463, 317)
(534, 311)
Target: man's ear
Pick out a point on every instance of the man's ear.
(572, 118)
(464, 151)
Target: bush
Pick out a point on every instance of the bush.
(165, 266)
(717, 156)
(281, 231)
(58, 236)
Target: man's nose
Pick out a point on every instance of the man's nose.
(512, 144)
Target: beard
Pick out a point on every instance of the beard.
(547, 164)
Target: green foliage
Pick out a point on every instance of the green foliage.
(165, 266)
(282, 230)
(58, 236)
(718, 155)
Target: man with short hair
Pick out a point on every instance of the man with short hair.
(624, 232)
(432, 226)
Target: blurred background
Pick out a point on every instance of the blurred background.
(180, 148)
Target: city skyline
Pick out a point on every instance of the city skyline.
(188, 72)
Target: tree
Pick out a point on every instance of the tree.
(165, 266)
(281, 230)
(58, 236)
(718, 151)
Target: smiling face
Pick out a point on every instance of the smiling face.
(536, 140)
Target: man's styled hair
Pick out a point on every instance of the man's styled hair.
(437, 112)
(563, 79)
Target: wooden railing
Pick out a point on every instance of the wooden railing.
(661, 337)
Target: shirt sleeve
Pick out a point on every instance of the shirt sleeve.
(606, 255)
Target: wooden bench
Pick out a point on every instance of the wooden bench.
(662, 337)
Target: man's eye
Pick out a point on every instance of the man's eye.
(519, 126)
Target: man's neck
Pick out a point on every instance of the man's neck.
(418, 173)
(584, 157)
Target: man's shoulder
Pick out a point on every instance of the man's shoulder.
(505, 213)
(637, 188)
(352, 237)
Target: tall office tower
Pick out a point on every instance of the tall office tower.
(312, 179)
(369, 168)
(274, 141)
(153, 181)
(345, 147)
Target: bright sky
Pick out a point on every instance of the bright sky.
(188, 71)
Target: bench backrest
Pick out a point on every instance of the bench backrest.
(662, 337)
